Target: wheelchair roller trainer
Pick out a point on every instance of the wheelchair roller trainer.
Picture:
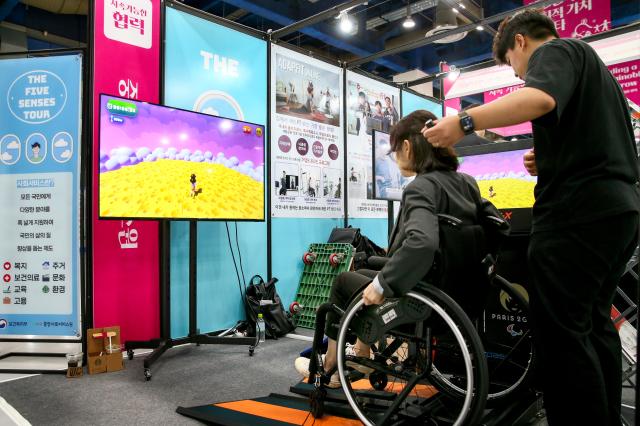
(434, 361)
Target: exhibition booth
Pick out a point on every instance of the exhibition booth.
(147, 178)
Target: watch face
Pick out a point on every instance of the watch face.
(467, 123)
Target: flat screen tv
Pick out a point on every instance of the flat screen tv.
(388, 182)
(158, 162)
(502, 178)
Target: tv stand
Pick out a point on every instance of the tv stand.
(161, 345)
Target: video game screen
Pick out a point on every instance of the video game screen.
(158, 162)
(388, 182)
(501, 176)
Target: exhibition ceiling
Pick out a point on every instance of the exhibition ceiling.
(376, 25)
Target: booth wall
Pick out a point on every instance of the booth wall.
(125, 268)
(214, 69)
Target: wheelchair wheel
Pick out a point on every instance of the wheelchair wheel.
(406, 354)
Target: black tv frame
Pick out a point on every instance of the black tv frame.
(105, 95)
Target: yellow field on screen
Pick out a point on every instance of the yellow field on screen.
(508, 193)
(162, 189)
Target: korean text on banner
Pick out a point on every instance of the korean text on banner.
(39, 196)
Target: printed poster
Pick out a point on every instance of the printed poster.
(372, 106)
(307, 162)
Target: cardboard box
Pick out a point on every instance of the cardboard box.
(99, 360)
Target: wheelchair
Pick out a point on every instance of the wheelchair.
(431, 362)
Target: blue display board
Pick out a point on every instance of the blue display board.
(40, 116)
(411, 102)
(214, 69)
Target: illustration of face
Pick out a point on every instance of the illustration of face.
(35, 148)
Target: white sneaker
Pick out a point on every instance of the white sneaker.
(302, 367)
(350, 350)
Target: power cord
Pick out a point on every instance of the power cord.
(242, 296)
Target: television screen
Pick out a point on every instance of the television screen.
(388, 182)
(158, 162)
(499, 171)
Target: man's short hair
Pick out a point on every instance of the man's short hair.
(532, 23)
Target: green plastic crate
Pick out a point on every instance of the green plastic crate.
(317, 278)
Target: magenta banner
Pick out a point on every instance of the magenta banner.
(579, 18)
(628, 75)
(125, 253)
(518, 129)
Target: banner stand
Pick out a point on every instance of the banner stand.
(36, 351)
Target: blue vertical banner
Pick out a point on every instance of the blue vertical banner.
(412, 102)
(216, 70)
(40, 118)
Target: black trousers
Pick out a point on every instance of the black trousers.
(574, 275)
(344, 289)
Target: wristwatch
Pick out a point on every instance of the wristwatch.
(466, 122)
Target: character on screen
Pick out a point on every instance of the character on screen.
(194, 191)
(35, 149)
(491, 192)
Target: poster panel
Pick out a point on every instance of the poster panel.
(40, 116)
(217, 70)
(371, 105)
(307, 162)
(126, 271)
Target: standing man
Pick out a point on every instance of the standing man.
(585, 217)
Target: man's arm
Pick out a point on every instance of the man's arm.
(518, 107)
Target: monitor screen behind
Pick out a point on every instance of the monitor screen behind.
(499, 171)
(158, 162)
(388, 182)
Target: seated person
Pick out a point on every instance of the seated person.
(437, 188)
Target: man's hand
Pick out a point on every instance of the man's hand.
(445, 133)
(529, 160)
(371, 296)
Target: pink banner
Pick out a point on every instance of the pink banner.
(125, 253)
(628, 75)
(579, 18)
(518, 129)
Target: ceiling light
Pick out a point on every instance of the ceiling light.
(346, 24)
(453, 73)
(409, 22)
(479, 28)
(462, 6)
(454, 10)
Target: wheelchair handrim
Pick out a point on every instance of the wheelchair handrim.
(452, 325)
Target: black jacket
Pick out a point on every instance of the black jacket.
(415, 238)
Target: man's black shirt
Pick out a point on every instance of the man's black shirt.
(584, 149)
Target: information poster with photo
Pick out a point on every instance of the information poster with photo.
(307, 160)
(40, 107)
(371, 105)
